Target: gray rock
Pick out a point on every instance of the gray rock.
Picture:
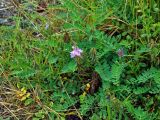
(7, 10)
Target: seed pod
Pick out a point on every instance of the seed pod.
(95, 83)
(94, 86)
(66, 37)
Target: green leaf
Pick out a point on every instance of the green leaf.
(141, 90)
(51, 43)
(70, 67)
(24, 73)
(28, 101)
(35, 118)
(103, 71)
(52, 59)
(117, 70)
(40, 114)
(95, 117)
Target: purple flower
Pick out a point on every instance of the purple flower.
(120, 52)
(76, 52)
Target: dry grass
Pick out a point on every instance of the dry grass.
(10, 105)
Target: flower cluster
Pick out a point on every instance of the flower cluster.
(120, 52)
(76, 52)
